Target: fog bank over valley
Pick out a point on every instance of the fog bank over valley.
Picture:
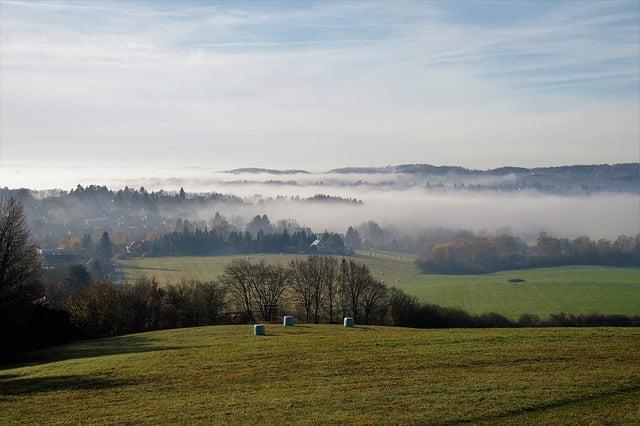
(598, 201)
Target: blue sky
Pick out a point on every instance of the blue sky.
(319, 84)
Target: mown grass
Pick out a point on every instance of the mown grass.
(328, 374)
(572, 289)
(386, 266)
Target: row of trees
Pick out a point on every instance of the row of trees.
(501, 252)
(201, 242)
(321, 289)
(317, 289)
(104, 309)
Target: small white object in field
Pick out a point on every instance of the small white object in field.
(288, 321)
(258, 329)
(348, 321)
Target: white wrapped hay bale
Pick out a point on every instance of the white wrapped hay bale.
(288, 321)
(258, 329)
(348, 322)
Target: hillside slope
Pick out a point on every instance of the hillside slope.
(329, 374)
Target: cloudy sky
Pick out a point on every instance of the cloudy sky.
(319, 84)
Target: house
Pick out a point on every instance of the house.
(316, 243)
(135, 248)
(52, 257)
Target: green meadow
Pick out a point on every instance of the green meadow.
(386, 266)
(571, 289)
(329, 374)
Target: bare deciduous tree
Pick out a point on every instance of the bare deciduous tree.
(373, 300)
(238, 279)
(256, 286)
(306, 277)
(19, 260)
(268, 284)
(329, 267)
(354, 279)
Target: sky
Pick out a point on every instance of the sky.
(318, 85)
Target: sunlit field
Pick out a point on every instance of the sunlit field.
(329, 374)
(545, 291)
(386, 266)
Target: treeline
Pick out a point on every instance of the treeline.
(315, 290)
(407, 311)
(482, 254)
(334, 199)
(371, 235)
(318, 289)
(206, 242)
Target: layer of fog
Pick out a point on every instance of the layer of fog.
(197, 179)
(525, 213)
(604, 215)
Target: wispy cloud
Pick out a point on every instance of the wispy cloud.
(318, 84)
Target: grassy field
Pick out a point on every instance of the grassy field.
(573, 289)
(172, 269)
(570, 289)
(328, 374)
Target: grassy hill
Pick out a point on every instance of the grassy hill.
(574, 289)
(328, 374)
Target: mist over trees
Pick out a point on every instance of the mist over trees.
(43, 309)
(74, 220)
(136, 219)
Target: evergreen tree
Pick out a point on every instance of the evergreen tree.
(352, 239)
(105, 248)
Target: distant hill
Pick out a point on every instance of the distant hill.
(570, 179)
(266, 171)
(591, 170)
(425, 169)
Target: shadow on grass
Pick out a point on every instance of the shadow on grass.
(13, 385)
(94, 348)
(543, 406)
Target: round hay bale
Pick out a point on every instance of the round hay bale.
(258, 329)
(348, 322)
(288, 321)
